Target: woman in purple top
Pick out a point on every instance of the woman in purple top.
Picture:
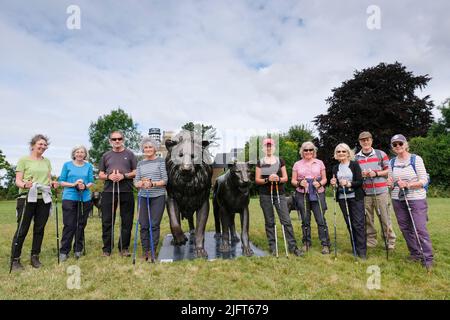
(309, 177)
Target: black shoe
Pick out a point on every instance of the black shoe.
(325, 250)
(297, 252)
(63, 257)
(16, 265)
(35, 261)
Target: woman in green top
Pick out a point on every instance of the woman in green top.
(33, 177)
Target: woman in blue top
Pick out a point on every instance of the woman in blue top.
(77, 176)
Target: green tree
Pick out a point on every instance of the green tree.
(99, 133)
(435, 148)
(442, 126)
(8, 189)
(207, 132)
(299, 134)
(381, 100)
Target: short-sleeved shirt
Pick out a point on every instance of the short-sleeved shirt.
(125, 161)
(71, 173)
(266, 171)
(376, 185)
(34, 170)
(154, 170)
(309, 170)
(402, 169)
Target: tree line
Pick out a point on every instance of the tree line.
(380, 99)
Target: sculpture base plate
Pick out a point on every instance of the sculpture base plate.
(170, 253)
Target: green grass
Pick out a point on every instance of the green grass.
(313, 277)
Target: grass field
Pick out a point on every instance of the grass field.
(314, 276)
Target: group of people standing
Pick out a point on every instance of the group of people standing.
(361, 185)
(120, 171)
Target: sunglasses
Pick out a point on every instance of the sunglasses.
(116, 139)
(308, 150)
(394, 144)
(341, 151)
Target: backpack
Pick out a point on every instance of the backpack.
(412, 162)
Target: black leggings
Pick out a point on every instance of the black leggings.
(37, 211)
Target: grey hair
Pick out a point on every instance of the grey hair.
(306, 144)
(149, 141)
(86, 153)
(350, 152)
(117, 131)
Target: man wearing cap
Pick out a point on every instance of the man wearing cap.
(374, 164)
(270, 176)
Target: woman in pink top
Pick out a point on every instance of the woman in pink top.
(309, 178)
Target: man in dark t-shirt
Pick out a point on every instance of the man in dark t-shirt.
(118, 168)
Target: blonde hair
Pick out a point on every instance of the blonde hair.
(305, 145)
(350, 153)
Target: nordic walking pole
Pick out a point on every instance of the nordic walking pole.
(282, 226)
(304, 206)
(274, 219)
(120, 216)
(19, 227)
(349, 223)
(152, 249)
(57, 229)
(335, 234)
(321, 212)
(136, 230)
(81, 204)
(381, 221)
(78, 221)
(112, 217)
(414, 225)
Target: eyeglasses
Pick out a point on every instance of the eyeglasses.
(308, 150)
(394, 144)
(341, 151)
(116, 139)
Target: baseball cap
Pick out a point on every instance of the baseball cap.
(268, 141)
(364, 135)
(398, 137)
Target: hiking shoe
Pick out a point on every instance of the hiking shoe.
(413, 259)
(63, 257)
(391, 247)
(106, 254)
(125, 253)
(297, 252)
(35, 261)
(325, 250)
(145, 256)
(16, 265)
(78, 254)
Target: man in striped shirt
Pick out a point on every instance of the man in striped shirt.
(375, 167)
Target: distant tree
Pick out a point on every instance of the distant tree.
(442, 126)
(299, 134)
(381, 100)
(207, 132)
(99, 133)
(8, 187)
(435, 148)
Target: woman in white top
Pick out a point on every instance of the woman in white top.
(407, 178)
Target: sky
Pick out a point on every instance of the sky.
(244, 67)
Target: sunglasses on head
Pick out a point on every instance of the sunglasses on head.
(308, 150)
(394, 144)
(116, 139)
